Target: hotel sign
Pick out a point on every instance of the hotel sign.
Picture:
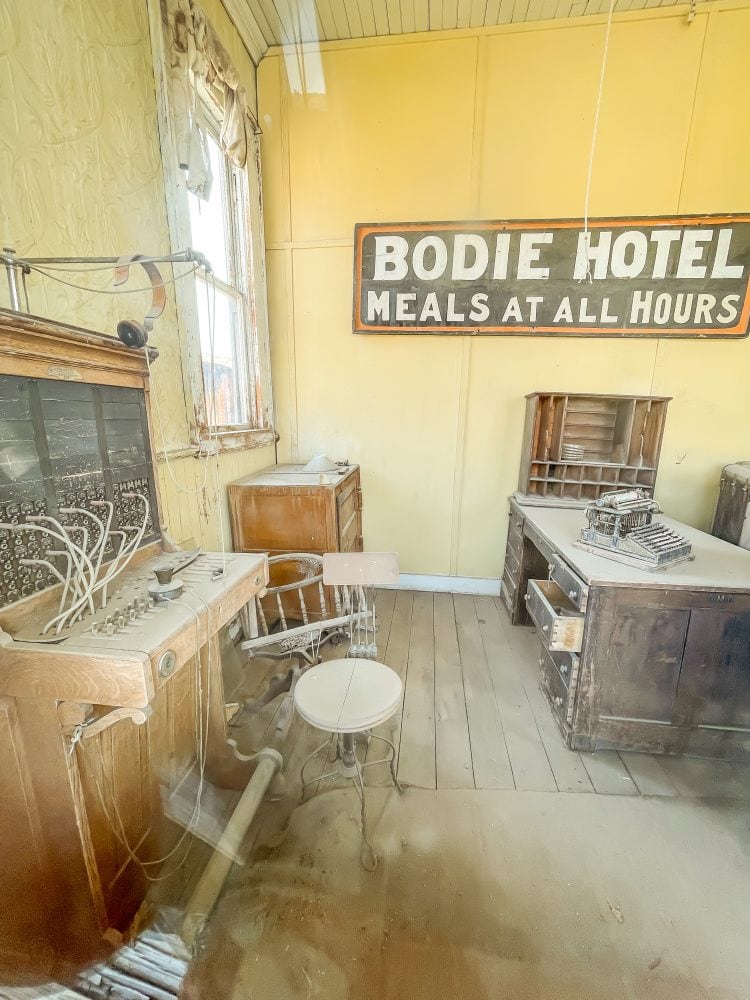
(672, 276)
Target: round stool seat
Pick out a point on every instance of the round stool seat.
(347, 696)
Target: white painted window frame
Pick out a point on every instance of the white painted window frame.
(202, 436)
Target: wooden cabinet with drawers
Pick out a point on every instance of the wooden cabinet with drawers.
(633, 659)
(285, 509)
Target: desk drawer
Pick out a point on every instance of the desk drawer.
(566, 664)
(512, 565)
(508, 591)
(555, 689)
(559, 622)
(569, 582)
(515, 543)
(516, 522)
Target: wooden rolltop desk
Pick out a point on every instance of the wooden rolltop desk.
(102, 716)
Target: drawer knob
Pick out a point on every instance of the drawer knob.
(527, 597)
(563, 668)
(573, 595)
(545, 628)
(558, 701)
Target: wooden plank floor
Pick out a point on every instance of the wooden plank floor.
(473, 715)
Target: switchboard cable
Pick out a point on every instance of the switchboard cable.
(127, 549)
(99, 544)
(125, 554)
(74, 549)
(79, 581)
(595, 134)
(63, 554)
(65, 536)
(115, 821)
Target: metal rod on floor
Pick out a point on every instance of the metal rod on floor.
(211, 882)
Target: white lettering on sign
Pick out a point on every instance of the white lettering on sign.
(479, 308)
(390, 258)
(378, 306)
(587, 252)
(421, 270)
(533, 301)
(629, 252)
(403, 304)
(528, 255)
(664, 239)
(502, 252)
(731, 304)
(469, 272)
(430, 309)
(721, 269)
(691, 252)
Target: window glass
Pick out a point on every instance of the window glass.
(223, 345)
(208, 219)
(218, 230)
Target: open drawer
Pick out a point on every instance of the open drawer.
(569, 581)
(559, 621)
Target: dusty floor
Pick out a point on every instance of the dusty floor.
(487, 894)
(512, 868)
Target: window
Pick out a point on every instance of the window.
(218, 229)
(222, 320)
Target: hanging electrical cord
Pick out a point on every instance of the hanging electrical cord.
(211, 458)
(89, 268)
(213, 424)
(109, 291)
(594, 137)
(202, 727)
(180, 487)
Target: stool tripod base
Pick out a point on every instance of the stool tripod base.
(350, 767)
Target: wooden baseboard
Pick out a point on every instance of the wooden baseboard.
(483, 586)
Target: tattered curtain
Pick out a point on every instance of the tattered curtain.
(195, 53)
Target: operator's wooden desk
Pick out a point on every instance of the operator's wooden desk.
(652, 661)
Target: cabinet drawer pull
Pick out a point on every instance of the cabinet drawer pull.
(558, 701)
(573, 595)
(563, 668)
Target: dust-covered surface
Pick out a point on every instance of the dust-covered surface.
(487, 895)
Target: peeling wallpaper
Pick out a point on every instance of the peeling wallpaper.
(81, 174)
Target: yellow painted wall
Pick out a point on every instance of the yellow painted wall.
(81, 174)
(494, 124)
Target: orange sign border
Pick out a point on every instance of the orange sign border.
(362, 229)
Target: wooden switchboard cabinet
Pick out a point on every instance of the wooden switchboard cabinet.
(285, 509)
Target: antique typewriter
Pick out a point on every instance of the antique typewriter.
(621, 525)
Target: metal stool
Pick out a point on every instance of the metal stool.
(348, 698)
